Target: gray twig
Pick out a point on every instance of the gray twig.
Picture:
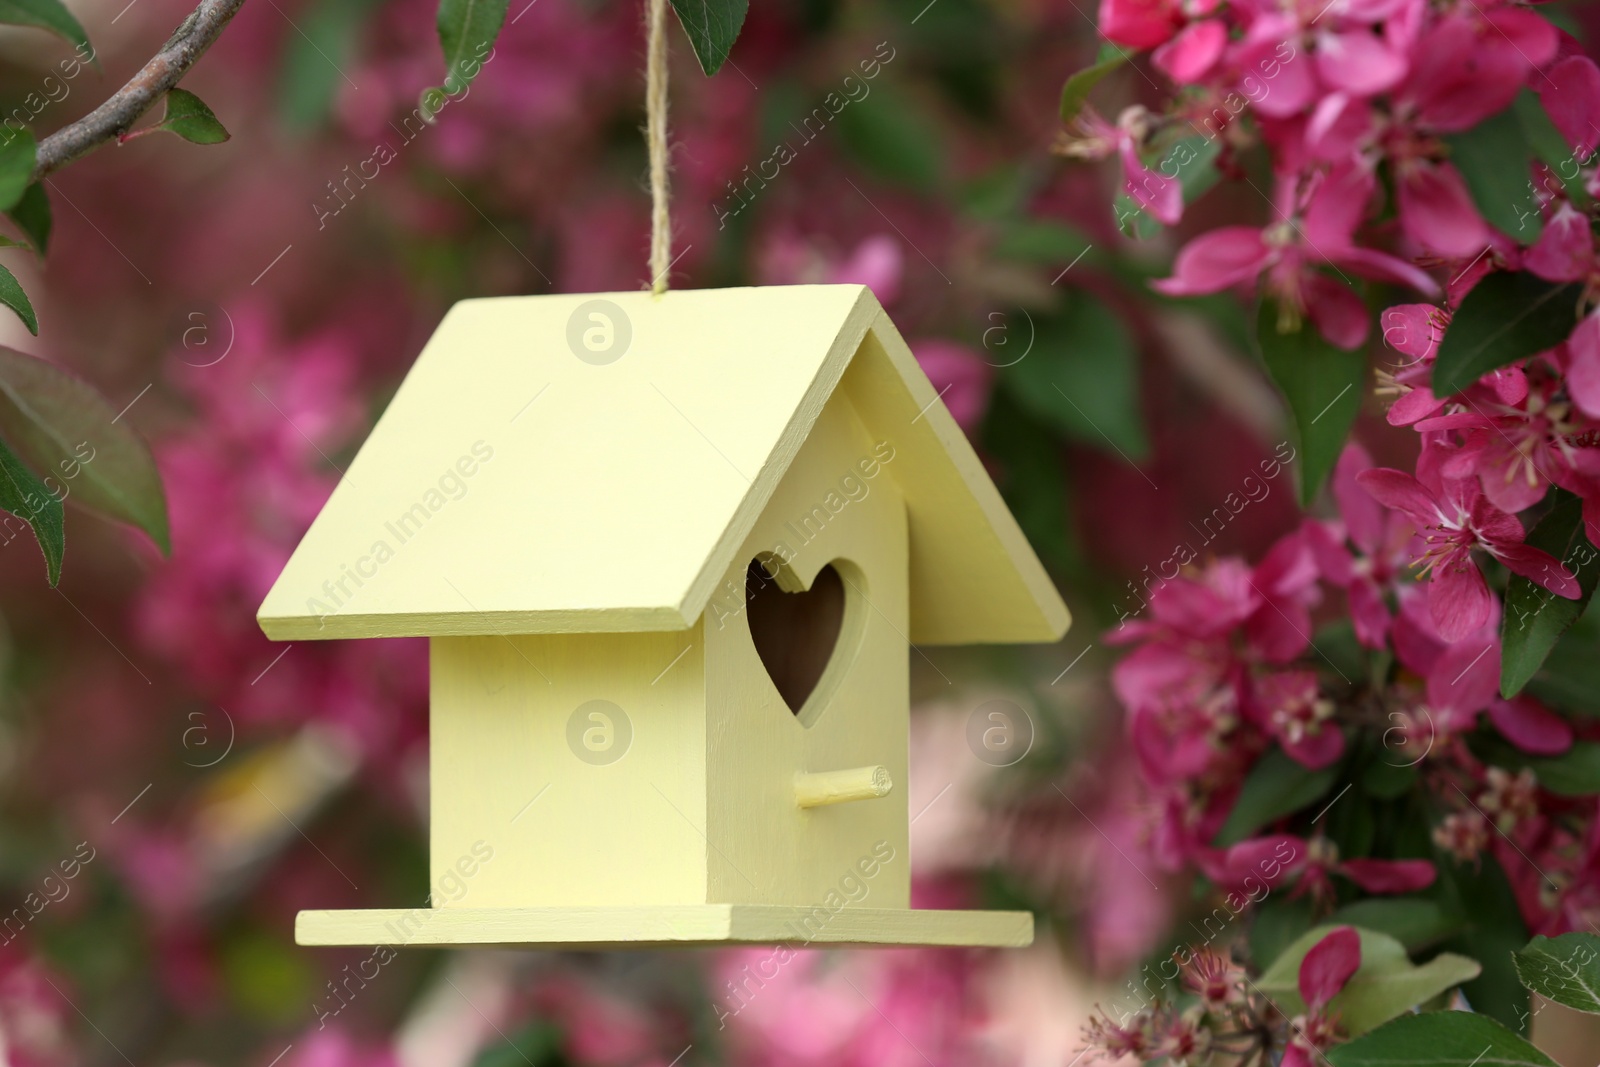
(116, 116)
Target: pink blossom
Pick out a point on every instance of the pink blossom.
(960, 375)
(1454, 518)
(1293, 712)
(1328, 966)
(1324, 971)
(1276, 859)
(1564, 252)
(1139, 23)
(1570, 93)
(1316, 229)
(1158, 194)
(1380, 538)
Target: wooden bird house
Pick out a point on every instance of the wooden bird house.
(672, 555)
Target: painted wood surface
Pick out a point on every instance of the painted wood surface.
(838, 504)
(579, 759)
(513, 487)
(665, 926)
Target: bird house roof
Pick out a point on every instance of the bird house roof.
(543, 470)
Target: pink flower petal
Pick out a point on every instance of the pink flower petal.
(1329, 965)
(1539, 567)
(1413, 330)
(1338, 126)
(1461, 76)
(1139, 23)
(1157, 194)
(1531, 726)
(1337, 312)
(960, 375)
(1414, 406)
(1363, 515)
(1358, 61)
(1389, 876)
(1216, 260)
(877, 263)
(1510, 385)
(1380, 266)
(1369, 613)
(1459, 600)
(1401, 492)
(1530, 35)
(1583, 365)
(1336, 207)
(1287, 94)
(1315, 751)
(1188, 57)
(1564, 252)
(1570, 92)
(1437, 212)
(1465, 678)
(1270, 858)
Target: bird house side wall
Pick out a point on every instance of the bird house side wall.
(838, 503)
(567, 770)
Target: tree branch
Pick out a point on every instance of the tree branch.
(117, 115)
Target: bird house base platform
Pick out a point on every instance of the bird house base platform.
(668, 926)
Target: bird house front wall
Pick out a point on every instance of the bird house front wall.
(837, 504)
(575, 762)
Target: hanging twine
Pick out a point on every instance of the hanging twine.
(656, 135)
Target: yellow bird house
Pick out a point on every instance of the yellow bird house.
(672, 554)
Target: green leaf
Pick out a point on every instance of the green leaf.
(1387, 780)
(888, 133)
(12, 296)
(1506, 317)
(1416, 922)
(1570, 678)
(1082, 376)
(188, 116)
(25, 496)
(1481, 893)
(1574, 773)
(1279, 921)
(1386, 984)
(88, 454)
(32, 216)
(1276, 786)
(467, 32)
(1031, 480)
(1493, 158)
(1076, 92)
(1040, 241)
(49, 15)
(1324, 386)
(1439, 1039)
(18, 154)
(1535, 618)
(309, 77)
(712, 26)
(1565, 969)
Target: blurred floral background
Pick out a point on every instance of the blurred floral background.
(174, 787)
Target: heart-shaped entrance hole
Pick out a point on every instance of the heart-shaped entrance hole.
(795, 632)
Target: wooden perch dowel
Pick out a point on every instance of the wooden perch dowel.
(837, 787)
